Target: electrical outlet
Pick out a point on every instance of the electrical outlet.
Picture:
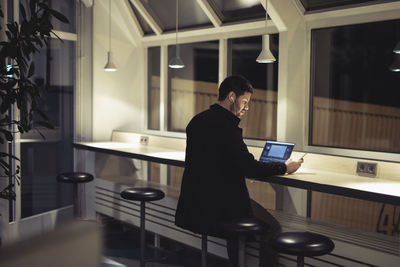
(144, 140)
(366, 168)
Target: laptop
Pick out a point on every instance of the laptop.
(276, 151)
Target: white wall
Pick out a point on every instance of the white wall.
(118, 97)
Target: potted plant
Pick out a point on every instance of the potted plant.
(17, 90)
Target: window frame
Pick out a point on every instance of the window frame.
(231, 31)
(68, 36)
(337, 18)
(312, 20)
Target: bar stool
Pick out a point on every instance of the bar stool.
(240, 228)
(302, 244)
(75, 178)
(142, 194)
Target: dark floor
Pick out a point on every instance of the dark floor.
(121, 248)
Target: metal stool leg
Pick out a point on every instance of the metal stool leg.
(203, 250)
(76, 201)
(300, 261)
(241, 251)
(142, 232)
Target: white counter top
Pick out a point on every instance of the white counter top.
(374, 189)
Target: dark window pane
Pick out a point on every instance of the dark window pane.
(154, 88)
(310, 5)
(193, 88)
(260, 120)
(355, 96)
(190, 13)
(10, 13)
(67, 8)
(43, 159)
(238, 10)
(143, 24)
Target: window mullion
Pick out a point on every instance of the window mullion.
(164, 88)
(223, 60)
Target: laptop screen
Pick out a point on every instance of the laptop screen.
(276, 151)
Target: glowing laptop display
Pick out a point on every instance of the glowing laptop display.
(276, 151)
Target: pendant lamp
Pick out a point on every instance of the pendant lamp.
(395, 66)
(266, 56)
(110, 66)
(396, 49)
(176, 62)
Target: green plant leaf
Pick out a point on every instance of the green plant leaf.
(44, 124)
(32, 6)
(44, 6)
(5, 105)
(20, 129)
(10, 84)
(9, 36)
(7, 134)
(4, 164)
(3, 154)
(31, 69)
(42, 114)
(23, 12)
(59, 16)
(22, 42)
(8, 193)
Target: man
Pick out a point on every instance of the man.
(217, 161)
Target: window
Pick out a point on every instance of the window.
(260, 120)
(311, 5)
(67, 8)
(190, 14)
(43, 159)
(354, 94)
(153, 110)
(237, 10)
(143, 24)
(193, 88)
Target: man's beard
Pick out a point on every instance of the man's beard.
(235, 109)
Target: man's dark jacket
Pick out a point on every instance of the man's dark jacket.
(217, 162)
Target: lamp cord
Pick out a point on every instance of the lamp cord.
(176, 23)
(266, 15)
(109, 26)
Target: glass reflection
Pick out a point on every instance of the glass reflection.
(67, 8)
(238, 10)
(260, 122)
(193, 88)
(43, 159)
(153, 109)
(354, 102)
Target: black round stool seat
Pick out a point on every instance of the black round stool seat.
(302, 244)
(241, 226)
(237, 228)
(75, 177)
(142, 194)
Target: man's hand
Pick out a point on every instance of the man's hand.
(292, 166)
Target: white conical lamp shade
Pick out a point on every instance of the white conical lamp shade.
(265, 56)
(395, 66)
(176, 62)
(110, 66)
(397, 48)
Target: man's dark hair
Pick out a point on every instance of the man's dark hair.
(236, 83)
